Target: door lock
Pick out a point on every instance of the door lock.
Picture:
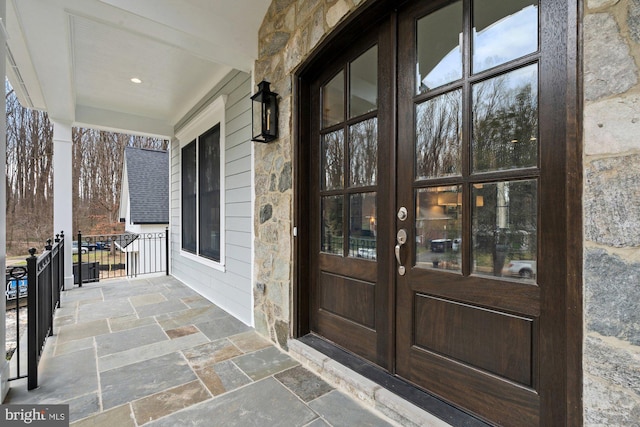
(401, 238)
(402, 213)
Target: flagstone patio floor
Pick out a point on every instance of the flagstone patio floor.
(153, 352)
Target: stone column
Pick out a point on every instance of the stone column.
(611, 361)
(63, 192)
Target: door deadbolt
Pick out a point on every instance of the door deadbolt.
(402, 213)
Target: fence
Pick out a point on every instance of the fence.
(119, 255)
(45, 280)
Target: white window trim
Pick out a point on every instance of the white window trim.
(209, 117)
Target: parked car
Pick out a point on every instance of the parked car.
(74, 248)
(522, 268)
(103, 246)
(89, 246)
(441, 245)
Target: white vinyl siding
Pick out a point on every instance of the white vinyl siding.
(229, 287)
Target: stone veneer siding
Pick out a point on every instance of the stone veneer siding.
(290, 31)
(611, 360)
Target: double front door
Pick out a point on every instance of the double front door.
(432, 195)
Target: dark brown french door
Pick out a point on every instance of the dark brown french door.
(437, 241)
(351, 271)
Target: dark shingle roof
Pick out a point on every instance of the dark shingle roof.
(148, 176)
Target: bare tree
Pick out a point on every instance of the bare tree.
(97, 163)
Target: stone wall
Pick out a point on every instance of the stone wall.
(612, 213)
(290, 31)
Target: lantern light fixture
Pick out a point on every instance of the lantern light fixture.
(264, 117)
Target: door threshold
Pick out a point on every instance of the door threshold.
(394, 397)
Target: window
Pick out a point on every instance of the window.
(202, 222)
(201, 207)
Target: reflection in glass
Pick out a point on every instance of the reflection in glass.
(332, 237)
(439, 54)
(362, 225)
(333, 101)
(504, 224)
(438, 129)
(505, 121)
(502, 31)
(363, 152)
(439, 227)
(363, 87)
(333, 160)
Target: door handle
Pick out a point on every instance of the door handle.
(402, 239)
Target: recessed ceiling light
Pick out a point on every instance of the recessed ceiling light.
(136, 80)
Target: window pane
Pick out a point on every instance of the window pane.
(439, 227)
(333, 160)
(362, 225)
(505, 121)
(332, 237)
(502, 31)
(504, 228)
(333, 101)
(189, 197)
(363, 87)
(363, 152)
(438, 136)
(439, 54)
(209, 193)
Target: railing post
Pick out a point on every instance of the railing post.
(166, 244)
(32, 320)
(79, 259)
(61, 283)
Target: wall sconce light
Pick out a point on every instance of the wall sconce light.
(264, 118)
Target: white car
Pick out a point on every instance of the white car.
(74, 248)
(522, 268)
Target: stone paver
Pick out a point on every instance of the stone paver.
(303, 383)
(141, 379)
(342, 411)
(264, 403)
(152, 352)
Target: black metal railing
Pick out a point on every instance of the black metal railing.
(359, 247)
(44, 282)
(120, 255)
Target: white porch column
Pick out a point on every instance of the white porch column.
(63, 192)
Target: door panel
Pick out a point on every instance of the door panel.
(464, 331)
(352, 200)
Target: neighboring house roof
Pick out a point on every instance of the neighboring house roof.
(147, 177)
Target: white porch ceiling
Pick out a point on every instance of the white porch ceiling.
(75, 58)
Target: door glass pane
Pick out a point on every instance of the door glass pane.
(504, 220)
(502, 31)
(363, 152)
(333, 101)
(439, 227)
(505, 121)
(362, 225)
(333, 160)
(439, 54)
(332, 237)
(363, 87)
(438, 136)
